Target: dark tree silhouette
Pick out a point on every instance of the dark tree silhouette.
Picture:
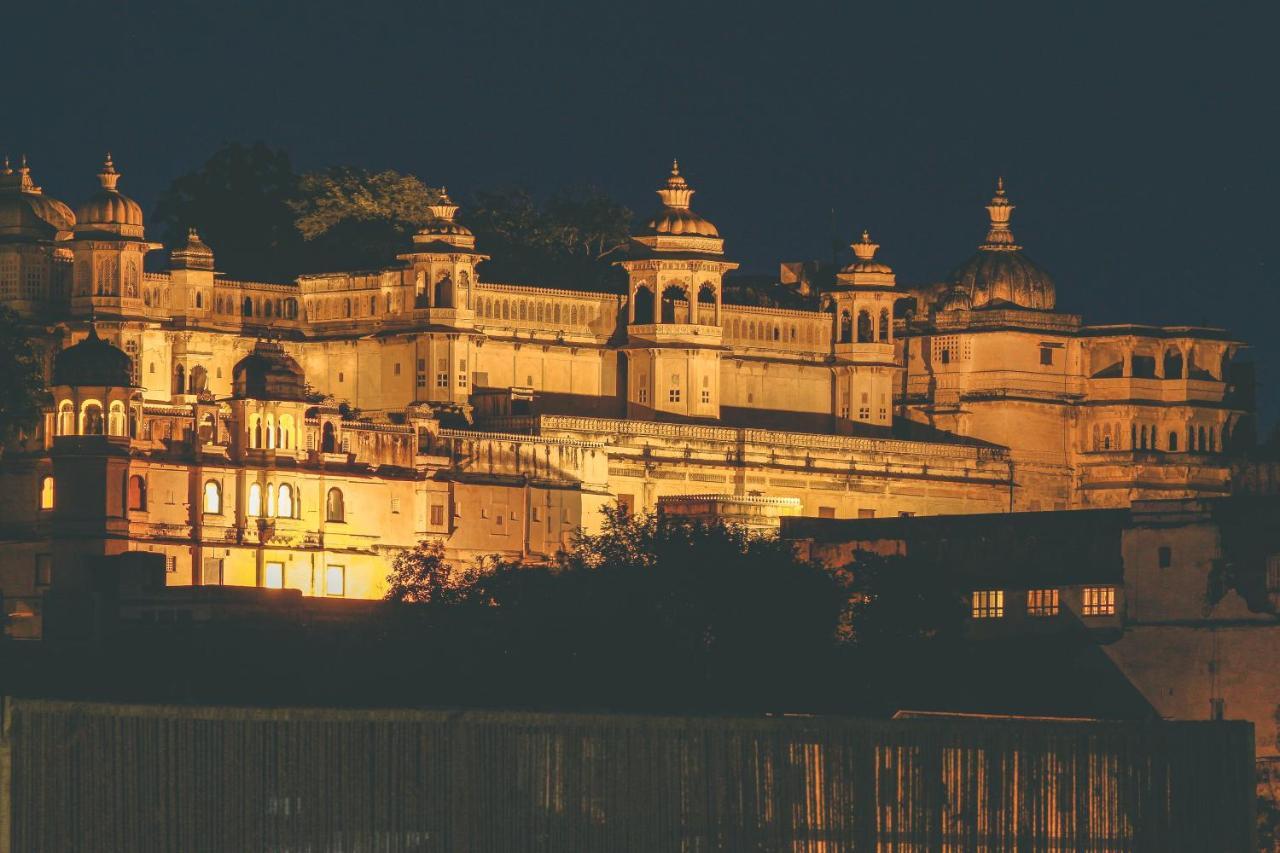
(22, 388)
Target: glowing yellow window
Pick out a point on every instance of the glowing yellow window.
(335, 580)
(273, 576)
(1042, 602)
(988, 604)
(1098, 601)
(46, 493)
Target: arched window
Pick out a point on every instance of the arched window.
(707, 305)
(269, 431)
(346, 308)
(91, 418)
(1172, 364)
(115, 419)
(179, 380)
(644, 306)
(885, 325)
(506, 309)
(284, 501)
(46, 493)
(1200, 445)
(199, 299)
(255, 500)
(675, 305)
(864, 327)
(1173, 440)
(66, 418)
(333, 508)
(212, 497)
(247, 309)
(255, 431)
(1133, 436)
(136, 493)
(328, 442)
(846, 327)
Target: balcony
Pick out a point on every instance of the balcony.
(685, 333)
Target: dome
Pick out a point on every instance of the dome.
(865, 253)
(268, 373)
(93, 362)
(109, 210)
(675, 218)
(195, 255)
(955, 299)
(441, 227)
(999, 273)
(25, 211)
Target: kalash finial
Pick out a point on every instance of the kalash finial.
(999, 236)
(677, 192)
(864, 249)
(443, 208)
(109, 176)
(6, 169)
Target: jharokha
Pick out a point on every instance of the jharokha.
(300, 435)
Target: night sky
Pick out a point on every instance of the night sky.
(1138, 145)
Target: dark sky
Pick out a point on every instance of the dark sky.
(1139, 144)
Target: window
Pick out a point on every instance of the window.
(1042, 602)
(437, 515)
(1165, 556)
(273, 576)
(284, 501)
(422, 373)
(44, 569)
(706, 396)
(826, 512)
(212, 571)
(462, 373)
(1046, 354)
(396, 368)
(335, 580)
(212, 497)
(988, 604)
(255, 499)
(866, 513)
(333, 507)
(1098, 601)
(395, 505)
(673, 395)
(626, 505)
(137, 493)
(46, 493)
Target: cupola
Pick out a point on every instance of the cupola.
(999, 274)
(195, 255)
(25, 211)
(110, 212)
(93, 362)
(442, 228)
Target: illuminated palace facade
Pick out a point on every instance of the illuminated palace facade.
(299, 435)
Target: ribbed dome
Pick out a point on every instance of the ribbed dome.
(109, 209)
(865, 253)
(268, 373)
(955, 299)
(195, 255)
(675, 216)
(442, 228)
(92, 362)
(25, 211)
(999, 273)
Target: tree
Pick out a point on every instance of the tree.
(422, 575)
(571, 241)
(240, 200)
(899, 601)
(351, 218)
(22, 387)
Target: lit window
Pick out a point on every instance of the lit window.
(284, 501)
(1042, 602)
(1098, 601)
(46, 493)
(137, 493)
(334, 508)
(255, 499)
(988, 604)
(335, 580)
(273, 576)
(212, 497)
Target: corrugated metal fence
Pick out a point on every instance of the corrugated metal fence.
(151, 778)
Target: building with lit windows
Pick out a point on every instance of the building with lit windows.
(300, 434)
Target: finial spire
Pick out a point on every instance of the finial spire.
(999, 237)
(675, 167)
(864, 249)
(677, 192)
(109, 176)
(6, 169)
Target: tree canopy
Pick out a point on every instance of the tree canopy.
(22, 387)
(263, 219)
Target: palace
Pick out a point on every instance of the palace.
(299, 435)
